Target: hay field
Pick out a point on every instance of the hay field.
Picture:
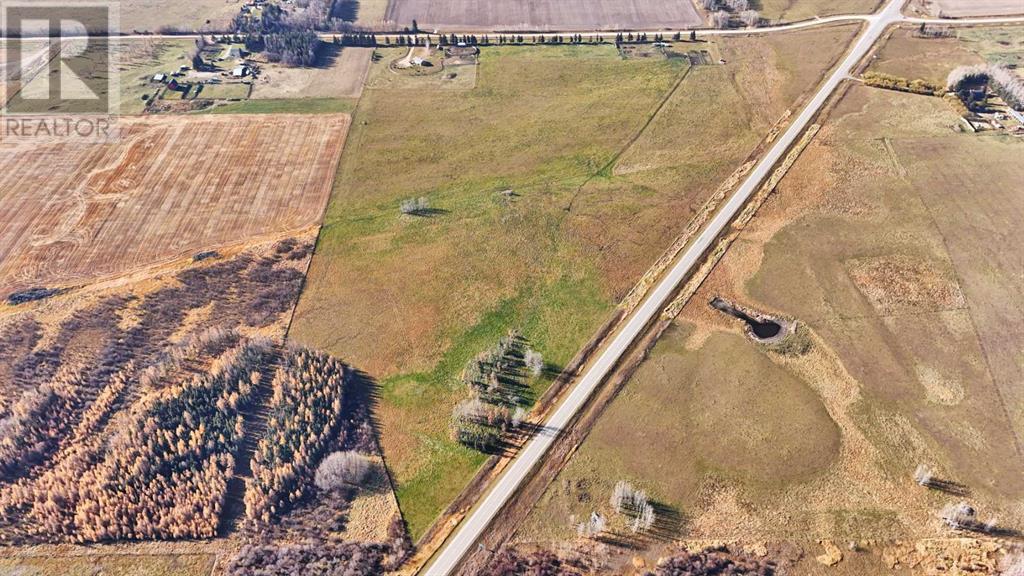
(974, 8)
(793, 10)
(163, 15)
(886, 241)
(907, 55)
(340, 74)
(528, 15)
(599, 190)
(167, 188)
(371, 13)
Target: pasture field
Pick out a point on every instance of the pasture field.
(565, 15)
(908, 55)
(886, 242)
(224, 91)
(371, 13)
(284, 106)
(167, 188)
(339, 74)
(973, 8)
(159, 16)
(552, 185)
(794, 10)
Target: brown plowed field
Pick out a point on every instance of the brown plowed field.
(168, 188)
(548, 15)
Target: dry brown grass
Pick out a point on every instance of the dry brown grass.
(194, 15)
(973, 8)
(167, 188)
(887, 239)
(905, 53)
(550, 15)
(111, 565)
(340, 74)
(790, 10)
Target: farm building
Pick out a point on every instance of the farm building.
(160, 78)
(240, 72)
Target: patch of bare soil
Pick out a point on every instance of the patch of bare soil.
(897, 283)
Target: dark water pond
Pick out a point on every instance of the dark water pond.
(761, 329)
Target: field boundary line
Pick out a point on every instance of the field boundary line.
(610, 165)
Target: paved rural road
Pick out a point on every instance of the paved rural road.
(476, 522)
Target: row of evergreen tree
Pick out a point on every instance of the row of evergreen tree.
(372, 40)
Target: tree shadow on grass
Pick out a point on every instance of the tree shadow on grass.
(948, 486)
(668, 527)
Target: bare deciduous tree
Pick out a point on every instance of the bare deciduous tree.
(415, 205)
(343, 469)
(750, 18)
(594, 526)
(534, 362)
(923, 475)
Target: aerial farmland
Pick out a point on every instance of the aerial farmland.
(431, 288)
(524, 15)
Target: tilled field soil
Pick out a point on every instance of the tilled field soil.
(167, 188)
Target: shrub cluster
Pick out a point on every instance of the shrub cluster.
(890, 82)
(349, 559)
(343, 470)
(305, 414)
(712, 562)
(540, 563)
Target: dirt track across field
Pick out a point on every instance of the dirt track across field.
(456, 15)
(169, 187)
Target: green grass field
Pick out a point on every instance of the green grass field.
(285, 106)
(227, 91)
(411, 299)
(887, 240)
